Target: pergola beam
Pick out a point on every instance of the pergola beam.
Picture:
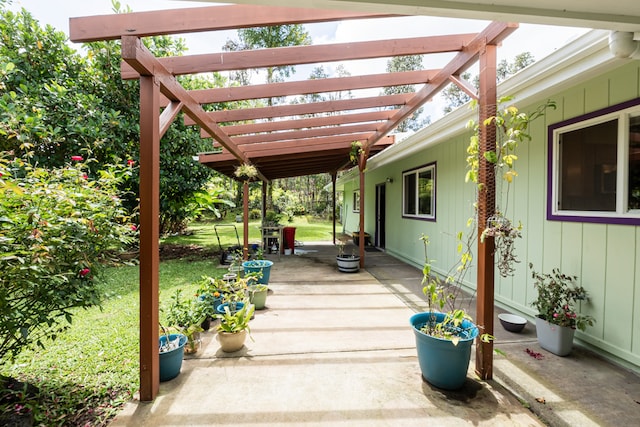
(311, 86)
(302, 134)
(330, 120)
(464, 86)
(193, 20)
(310, 108)
(298, 55)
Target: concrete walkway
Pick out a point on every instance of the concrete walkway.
(337, 349)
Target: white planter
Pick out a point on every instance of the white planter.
(348, 263)
(556, 339)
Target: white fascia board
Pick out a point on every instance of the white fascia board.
(576, 62)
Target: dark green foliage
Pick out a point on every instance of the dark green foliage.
(56, 226)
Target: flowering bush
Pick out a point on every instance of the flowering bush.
(557, 295)
(55, 228)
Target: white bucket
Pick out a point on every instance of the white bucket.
(287, 251)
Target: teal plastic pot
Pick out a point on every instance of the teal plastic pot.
(442, 363)
(221, 307)
(171, 361)
(258, 266)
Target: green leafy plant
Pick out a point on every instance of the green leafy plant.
(186, 315)
(558, 294)
(236, 321)
(56, 228)
(246, 172)
(442, 294)
(356, 152)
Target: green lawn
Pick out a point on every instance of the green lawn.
(308, 229)
(88, 372)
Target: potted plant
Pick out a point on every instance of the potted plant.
(444, 338)
(557, 318)
(347, 263)
(258, 268)
(246, 172)
(171, 348)
(233, 328)
(234, 294)
(187, 316)
(258, 295)
(210, 293)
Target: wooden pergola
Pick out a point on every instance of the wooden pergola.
(290, 139)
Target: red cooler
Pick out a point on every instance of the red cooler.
(289, 239)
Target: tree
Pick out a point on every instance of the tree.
(56, 104)
(399, 64)
(455, 97)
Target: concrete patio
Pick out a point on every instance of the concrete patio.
(337, 349)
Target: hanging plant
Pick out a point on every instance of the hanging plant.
(511, 127)
(246, 172)
(356, 151)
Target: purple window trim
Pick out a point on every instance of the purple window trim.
(587, 218)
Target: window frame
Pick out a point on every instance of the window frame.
(356, 201)
(622, 113)
(415, 171)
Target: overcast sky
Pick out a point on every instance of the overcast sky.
(537, 39)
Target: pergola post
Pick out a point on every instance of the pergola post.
(486, 207)
(245, 212)
(334, 176)
(149, 236)
(362, 165)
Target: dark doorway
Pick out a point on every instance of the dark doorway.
(381, 215)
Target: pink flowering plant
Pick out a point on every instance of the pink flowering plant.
(558, 295)
(57, 229)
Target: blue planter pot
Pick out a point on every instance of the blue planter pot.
(443, 364)
(220, 308)
(171, 361)
(258, 266)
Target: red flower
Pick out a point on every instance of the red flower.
(76, 158)
(131, 162)
(134, 227)
(85, 176)
(84, 272)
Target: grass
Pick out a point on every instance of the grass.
(91, 370)
(204, 233)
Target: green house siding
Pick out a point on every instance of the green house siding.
(604, 257)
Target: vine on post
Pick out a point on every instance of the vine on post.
(512, 129)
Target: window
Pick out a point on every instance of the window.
(595, 167)
(419, 190)
(356, 201)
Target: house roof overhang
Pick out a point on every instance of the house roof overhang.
(621, 15)
(293, 138)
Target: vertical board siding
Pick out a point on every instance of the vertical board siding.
(593, 275)
(618, 300)
(635, 336)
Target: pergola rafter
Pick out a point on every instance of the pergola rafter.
(299, 55)
(300, 138)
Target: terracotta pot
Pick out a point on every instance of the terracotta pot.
(231, 341)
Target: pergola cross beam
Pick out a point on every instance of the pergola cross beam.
(299, 55)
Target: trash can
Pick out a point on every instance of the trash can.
(289, 238)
